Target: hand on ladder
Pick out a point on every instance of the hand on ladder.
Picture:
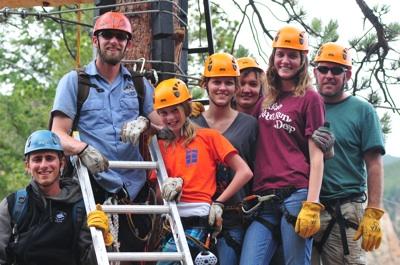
(99, 220)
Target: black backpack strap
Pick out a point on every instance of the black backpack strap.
(83, 92)
(78, 214)
(19, 207)
(138, 82)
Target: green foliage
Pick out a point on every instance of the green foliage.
(224, 30)
(197, 92)
(31, 65)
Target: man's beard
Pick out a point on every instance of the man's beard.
(111, 59)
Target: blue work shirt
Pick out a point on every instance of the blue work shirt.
(105, 110)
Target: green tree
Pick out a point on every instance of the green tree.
(31, 65)
(375, 61)
(224, 30)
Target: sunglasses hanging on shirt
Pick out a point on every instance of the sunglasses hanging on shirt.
(336, 70)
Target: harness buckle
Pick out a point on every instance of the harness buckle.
(252, 202)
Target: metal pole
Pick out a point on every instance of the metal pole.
(207, 14)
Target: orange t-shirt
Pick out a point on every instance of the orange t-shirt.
(196, 164)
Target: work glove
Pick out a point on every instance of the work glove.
(93, 160)
(325, 140)
(172, 189)
(370, 229)
(197, 109)
(165, 134)
(215, 217)
(131, 130)
(99, 220)
(308, 223)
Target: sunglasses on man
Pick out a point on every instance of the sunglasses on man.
(336, 70)
(109, 34)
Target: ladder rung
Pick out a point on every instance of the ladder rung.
(137, 209)
(144, 256)
(133, 164)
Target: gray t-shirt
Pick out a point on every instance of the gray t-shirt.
(242, 134)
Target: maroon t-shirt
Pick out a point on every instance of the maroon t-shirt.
(282, 157)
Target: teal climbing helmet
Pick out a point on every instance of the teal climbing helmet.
(43, 140)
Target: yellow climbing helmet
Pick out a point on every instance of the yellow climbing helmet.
(221, 64)
(335, 53)
(248, 62)
(170, 92)
(292, 38)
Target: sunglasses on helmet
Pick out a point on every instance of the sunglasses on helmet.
(109, 34)
(336, 70)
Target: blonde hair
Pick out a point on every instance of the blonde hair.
(188, 130)
(302, 80)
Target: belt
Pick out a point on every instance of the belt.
(355, 197)
(282, 193)
(194, 221)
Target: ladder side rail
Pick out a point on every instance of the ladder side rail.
(90, 205)
(175, 222)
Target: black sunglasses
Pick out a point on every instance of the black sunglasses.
(109, 34)
(336, 70)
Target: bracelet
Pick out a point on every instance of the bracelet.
(87, 145)
(219, 202)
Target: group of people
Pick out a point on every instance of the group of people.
(249, 171)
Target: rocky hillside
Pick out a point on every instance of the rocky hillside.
(389, 252)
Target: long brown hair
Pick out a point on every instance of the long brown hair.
(272, 89)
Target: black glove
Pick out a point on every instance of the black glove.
(325, 140)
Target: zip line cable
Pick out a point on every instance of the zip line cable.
(73, 10)
(56, 16)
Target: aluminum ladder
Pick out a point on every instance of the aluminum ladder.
(169, 208)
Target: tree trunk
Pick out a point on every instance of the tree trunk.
(141, 30)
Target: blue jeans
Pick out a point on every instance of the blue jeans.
(170, 246)
(226, 254)
(260, 244)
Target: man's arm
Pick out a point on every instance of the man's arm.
(374, 163)
(62, 125)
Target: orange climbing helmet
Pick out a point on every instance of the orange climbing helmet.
(292, 38)
(221, 64)
(113, 20)
(335, 53)
(170, 92)
(248, 62)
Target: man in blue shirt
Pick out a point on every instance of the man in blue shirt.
(109, 122)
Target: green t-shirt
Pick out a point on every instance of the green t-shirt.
(357, 129)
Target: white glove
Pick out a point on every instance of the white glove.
(216, 211)
(93, 160)
(215, 217)
(172, 189)
(131, 130)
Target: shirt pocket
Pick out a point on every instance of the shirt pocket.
(93, 113)
(129, 106)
